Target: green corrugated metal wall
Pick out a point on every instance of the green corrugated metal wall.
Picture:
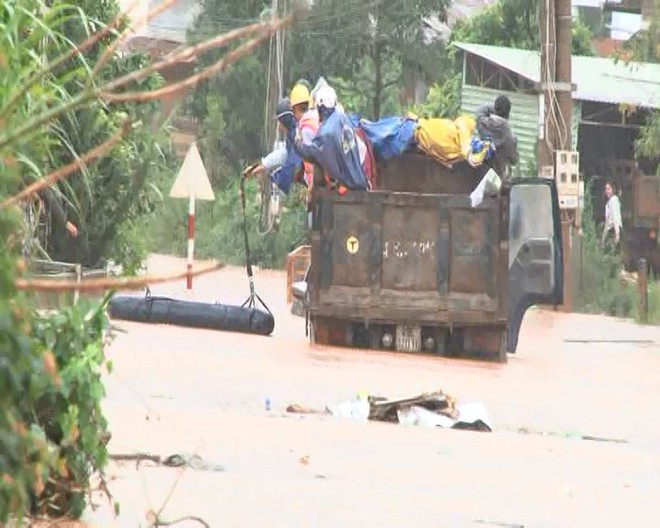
(524, 119)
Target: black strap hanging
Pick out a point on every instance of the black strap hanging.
(250, 302)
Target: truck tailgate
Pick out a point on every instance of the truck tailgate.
(386, 256)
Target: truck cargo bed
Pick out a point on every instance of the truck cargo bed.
(413, 266)
(427, 258)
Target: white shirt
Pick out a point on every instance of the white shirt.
(276, 158)
(613, 213)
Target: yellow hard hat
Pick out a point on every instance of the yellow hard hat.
(299, 95)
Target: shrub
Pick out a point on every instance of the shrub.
(601, 288)
(219, 228)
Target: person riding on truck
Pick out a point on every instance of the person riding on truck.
(501, 107)
(304, 82)
(282, 163)
(307, 120)
(493, 123)
(286, 125)
(335, 147)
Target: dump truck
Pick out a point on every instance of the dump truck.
(414, 267)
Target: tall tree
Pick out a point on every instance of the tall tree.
(514, 24)
(366, 43)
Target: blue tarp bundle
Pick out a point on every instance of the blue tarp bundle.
(390, 136)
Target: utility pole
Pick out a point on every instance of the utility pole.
(555, 19)
(556, 79)
(273, 95)
(564, 99)
(563, 68)
(548, 39)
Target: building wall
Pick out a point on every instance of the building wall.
(524, 120)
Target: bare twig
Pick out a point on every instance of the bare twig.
(136, 457)
(89, 94)
(127, 283)
(103, 488)
(84, 97)
(170, 493)
(193, 80)
(63, 172)
(186, 54)
(160, 522)
(110, 50)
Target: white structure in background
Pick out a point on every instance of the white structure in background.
(171, 25)
(590, 3)
(157, 38)
(624, 25)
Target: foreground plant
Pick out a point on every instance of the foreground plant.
(52, 431)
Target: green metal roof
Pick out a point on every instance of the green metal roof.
(597, 79)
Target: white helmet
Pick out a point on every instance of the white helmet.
(326, 97)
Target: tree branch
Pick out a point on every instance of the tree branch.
(65, 171)
(201, 521)
(391, 83)
(221, 65)
(91, 94)
(127, 283)
(186, 54)
(77, 50)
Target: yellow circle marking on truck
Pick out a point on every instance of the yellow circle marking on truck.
(352, 245)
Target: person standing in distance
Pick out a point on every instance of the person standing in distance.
(613, 223)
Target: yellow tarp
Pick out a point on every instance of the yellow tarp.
(447, 141)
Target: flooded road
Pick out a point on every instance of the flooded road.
(177, 390)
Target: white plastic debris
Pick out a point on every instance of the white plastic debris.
(354, 409)
(422, 417)
(490, 183)
(471, 413)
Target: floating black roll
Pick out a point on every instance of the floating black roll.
(163, 310)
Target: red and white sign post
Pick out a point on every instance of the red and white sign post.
(191, 240)
(192, 183)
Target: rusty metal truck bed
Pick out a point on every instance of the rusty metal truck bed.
(416, 271)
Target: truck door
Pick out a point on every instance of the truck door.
(536, 268)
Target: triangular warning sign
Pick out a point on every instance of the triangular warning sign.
(192, 178)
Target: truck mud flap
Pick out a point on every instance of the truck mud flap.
(163, 310)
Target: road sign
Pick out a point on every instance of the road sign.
(192, 183)
(192, 180)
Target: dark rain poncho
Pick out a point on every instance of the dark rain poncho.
(335, 149)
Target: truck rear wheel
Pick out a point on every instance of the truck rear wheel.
(486, 343)
(331, 332)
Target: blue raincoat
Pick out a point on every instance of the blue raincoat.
(335, 148)
(390, 136)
